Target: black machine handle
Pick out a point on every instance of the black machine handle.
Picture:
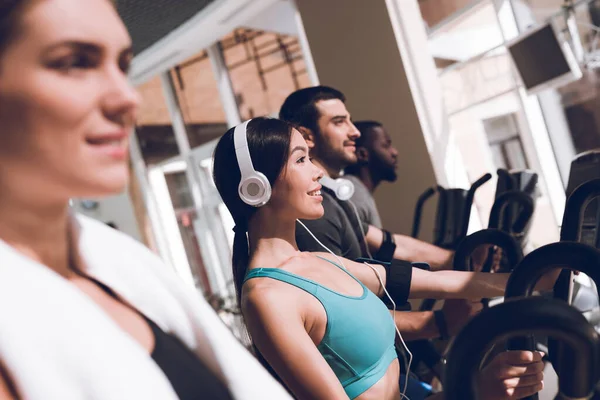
(507, 177)
(479, 182)
(569, 255)
(428, 304)
(509, 245)
(503, 174)
(419, 209)
(469, 202)
(575, 209)
(572, 226)
(467, 246)
(530, 187)
(499, 207)
(531, 315)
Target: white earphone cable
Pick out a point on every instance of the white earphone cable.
(322, 245)
(362, 232)
(410, 356)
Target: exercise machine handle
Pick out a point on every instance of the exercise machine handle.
(419, 210)
(550, 317)
(504, 200)
(496, 237)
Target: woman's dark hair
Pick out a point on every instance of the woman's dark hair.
(269, 145)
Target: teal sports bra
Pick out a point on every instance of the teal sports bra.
(359, 338)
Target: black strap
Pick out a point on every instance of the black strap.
(398, 275)
(387, 248)
(440, 322)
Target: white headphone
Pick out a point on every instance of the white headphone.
(343, 188)
(254, 188)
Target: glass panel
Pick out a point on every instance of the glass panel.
(435, 11)
(467, 84)
(154, 130)
(199, 101)
(581, 99)
(207, 245)
(474, 32)
(216, 230)
(185, 213)
(468, 129)
(264, 68)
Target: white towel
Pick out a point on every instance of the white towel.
(56, 343)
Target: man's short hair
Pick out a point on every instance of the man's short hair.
(300, 107)
(366, 129)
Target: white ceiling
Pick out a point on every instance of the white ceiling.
(207, 27)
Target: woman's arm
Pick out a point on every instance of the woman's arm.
(466, 285)
(278, 330)
(441, 284)
(427, 284)
(456, 284)
(437, 285)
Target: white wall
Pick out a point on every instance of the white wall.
(117, 209)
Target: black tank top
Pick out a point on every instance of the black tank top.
(189, 376)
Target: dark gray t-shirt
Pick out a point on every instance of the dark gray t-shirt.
(364, 202)
(333, 229)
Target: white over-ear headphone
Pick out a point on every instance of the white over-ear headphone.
(254, 188)
(343, 188)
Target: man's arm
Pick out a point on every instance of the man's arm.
(415, 325)
(456, 285)
(411, 249)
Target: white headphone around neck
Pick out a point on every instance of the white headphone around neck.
(343, 188)
(254, 188)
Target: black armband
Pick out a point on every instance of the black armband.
(387, 248)
(398, 275)
(398, 278)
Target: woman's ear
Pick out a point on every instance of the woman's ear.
(362, 155)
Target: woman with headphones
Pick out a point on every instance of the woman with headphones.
(317, 319)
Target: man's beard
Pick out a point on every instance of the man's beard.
(390, 174)
(348, 159)
(338, 159)
(384, 170)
